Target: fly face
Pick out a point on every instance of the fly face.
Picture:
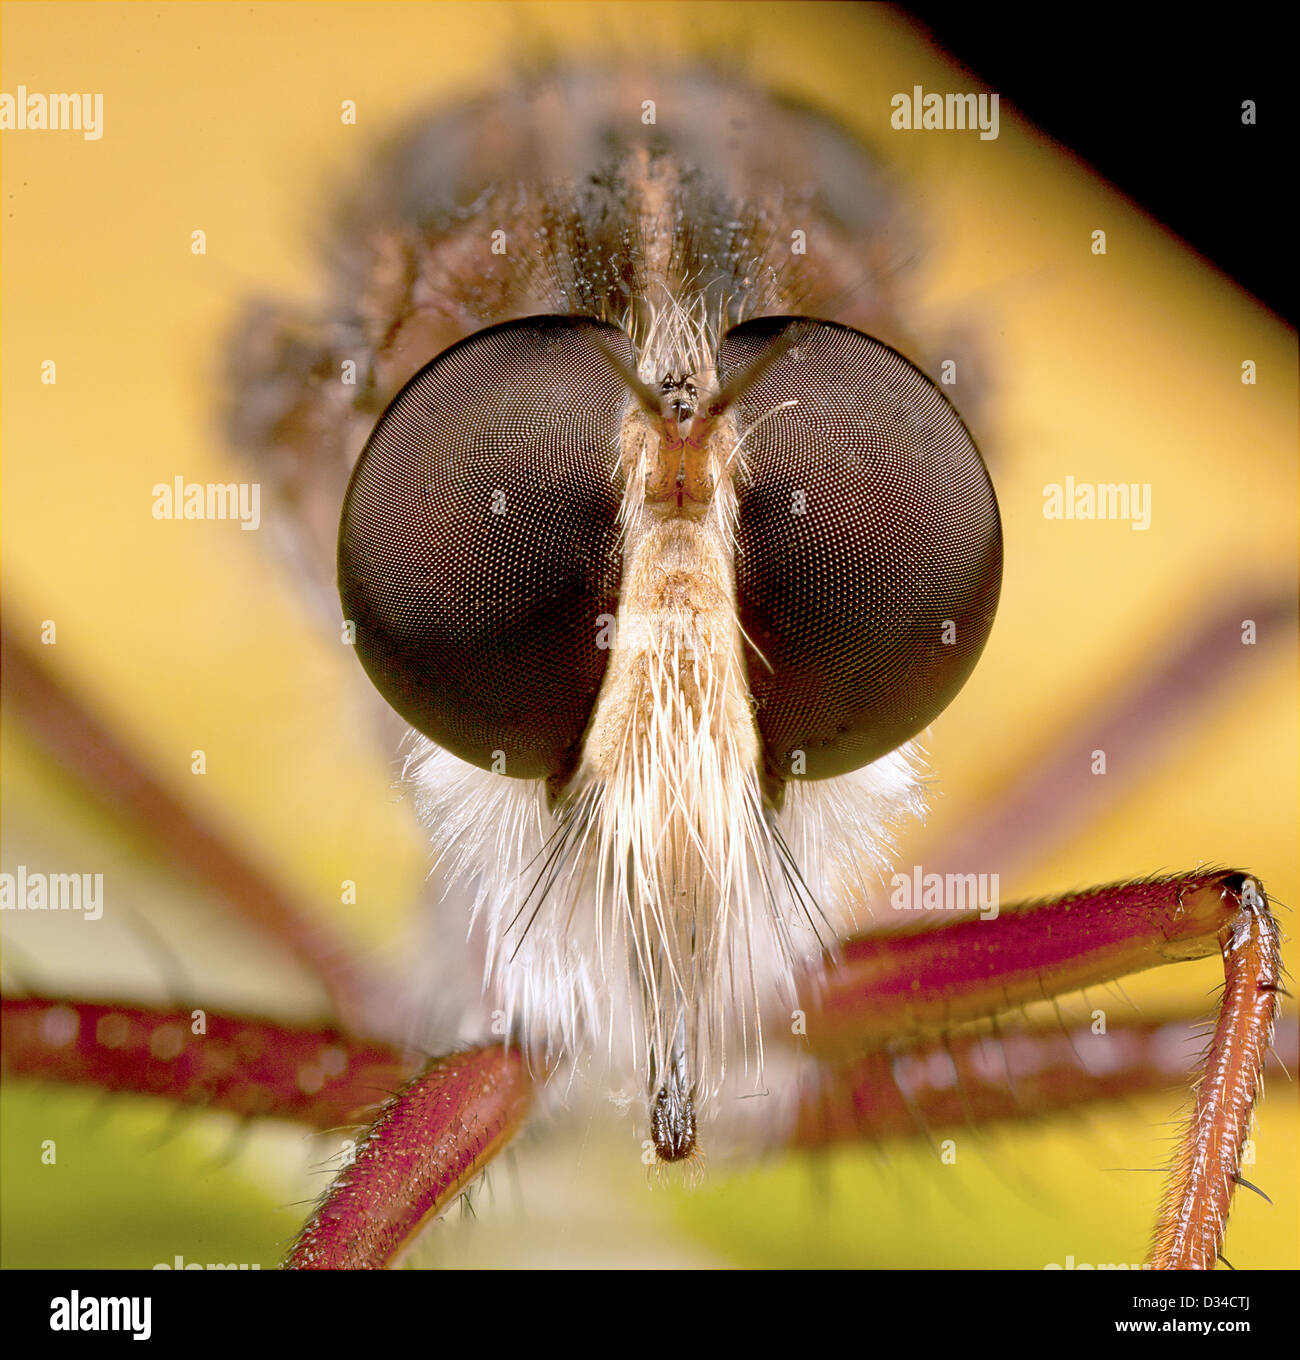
(668, 576)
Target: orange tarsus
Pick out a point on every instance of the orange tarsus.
(1207, 1164)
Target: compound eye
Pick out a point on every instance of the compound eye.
(869, 548)
(478, 546)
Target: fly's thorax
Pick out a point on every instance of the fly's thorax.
(617, 190)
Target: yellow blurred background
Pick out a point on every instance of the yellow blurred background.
(225, 119)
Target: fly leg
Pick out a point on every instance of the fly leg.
(428, 1143)
(974, 1078)
(918, 984)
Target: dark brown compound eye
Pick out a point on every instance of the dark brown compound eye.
(478, 547)
(869, 548)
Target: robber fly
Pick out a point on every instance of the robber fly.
(663, 553)
(666, 554)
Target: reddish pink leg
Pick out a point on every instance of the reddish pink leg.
(977, 1078)
(247, 1065)
(900, 983)
(428, 1143)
